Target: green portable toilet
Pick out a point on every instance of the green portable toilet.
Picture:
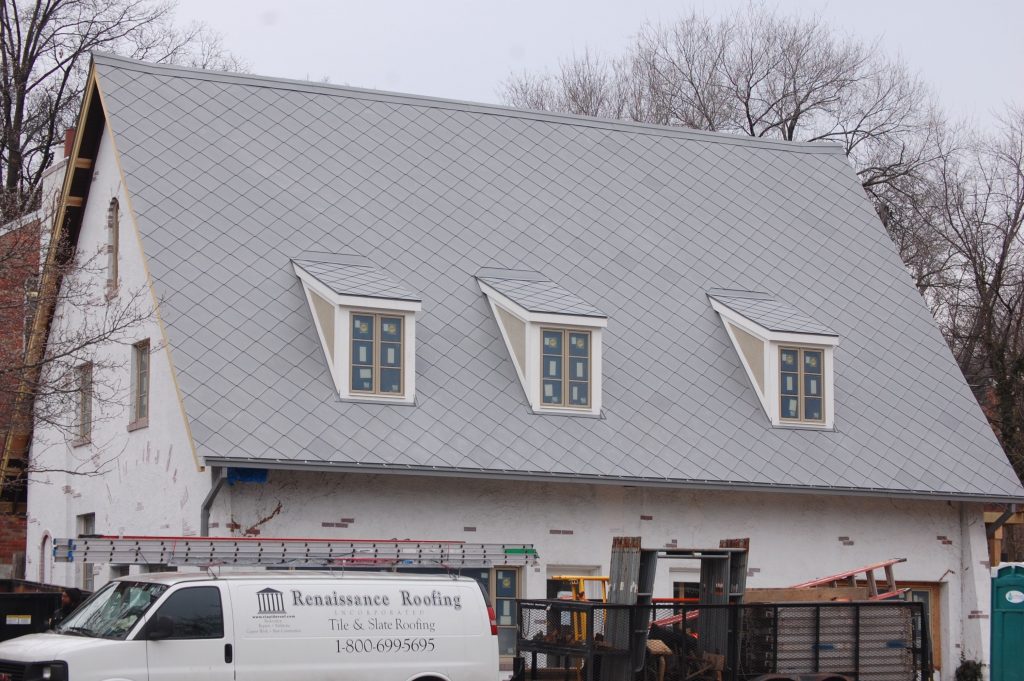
(1008, 624)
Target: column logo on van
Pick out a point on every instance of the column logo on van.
(271, 602)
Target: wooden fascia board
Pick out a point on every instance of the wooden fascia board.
(17, 439)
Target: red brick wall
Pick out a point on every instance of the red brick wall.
(19, 261)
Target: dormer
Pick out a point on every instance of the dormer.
(787, 355)
(554, 338)
(366, 323)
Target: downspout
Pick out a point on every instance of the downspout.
(211, 496)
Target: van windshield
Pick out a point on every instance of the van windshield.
(112, 611)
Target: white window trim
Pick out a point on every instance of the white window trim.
(529, 376)
(338, 356)
(773, 341)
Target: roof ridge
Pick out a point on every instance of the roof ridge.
(461, 105)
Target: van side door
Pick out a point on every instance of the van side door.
(189, 635)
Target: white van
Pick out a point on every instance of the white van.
(272, 626)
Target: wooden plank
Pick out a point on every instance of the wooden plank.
(811, 595)
(73, 202)
(83, 163)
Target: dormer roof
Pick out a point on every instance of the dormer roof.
(769, 312)
(353, 275)
(232, 176)
(534, 292)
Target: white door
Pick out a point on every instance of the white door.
(190, 637)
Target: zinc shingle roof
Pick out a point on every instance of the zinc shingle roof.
(770, 312)
(349, 275)
(233, 176)
(536, 293)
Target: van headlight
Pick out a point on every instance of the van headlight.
(47, 671)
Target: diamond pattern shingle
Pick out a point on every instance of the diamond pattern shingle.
(353, 276)
(769, 312)
(536, 293)
(243, 174)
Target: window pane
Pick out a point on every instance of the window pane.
(362, 327)
(578, 369)
(812, 409)
(391, 328)
(790, 385)
(788, 359)
(506, 585)
(552, 343)
(362, 378)
(790, 408)
(391, 380)
(812, 385)
(812, 362)
(552, 392)
(552, 366)
(579, 344)
(578, 394)
(362, 352)
(194, 613)
(390, 354)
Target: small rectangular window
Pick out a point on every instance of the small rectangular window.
(377, 354)
(801, 385)
(83, 380)
(565, 368)
(140, 385)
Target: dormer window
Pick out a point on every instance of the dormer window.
(376, 357)
(366, 323)
(787, 355)
(554, 339)
(565, 368)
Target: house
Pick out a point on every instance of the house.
(382, 315)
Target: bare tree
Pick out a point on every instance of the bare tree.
(44, 51)
(44, 388)
(761, 74)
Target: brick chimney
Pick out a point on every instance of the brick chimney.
(69, 141)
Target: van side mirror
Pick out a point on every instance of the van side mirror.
(159, 629)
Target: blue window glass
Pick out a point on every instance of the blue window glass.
(552, 366)
(788, 360)
(391, 380)
(579, 344)
(552, 343)
(801, 384)
(362, 379)
(552, 392)
(362, 327)
(812, 409)
(391, 329)
(812, 362)
(565, 368)
(390, 354)
(578, 396)
(362, 352)
(377, 347)
(790, 408)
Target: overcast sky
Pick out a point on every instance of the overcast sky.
(971, 52)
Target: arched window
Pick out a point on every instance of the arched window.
(112, 246)
(45, 549)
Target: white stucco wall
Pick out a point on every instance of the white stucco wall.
(794, 537)
(149, 477)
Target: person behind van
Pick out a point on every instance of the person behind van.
(70, 599)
